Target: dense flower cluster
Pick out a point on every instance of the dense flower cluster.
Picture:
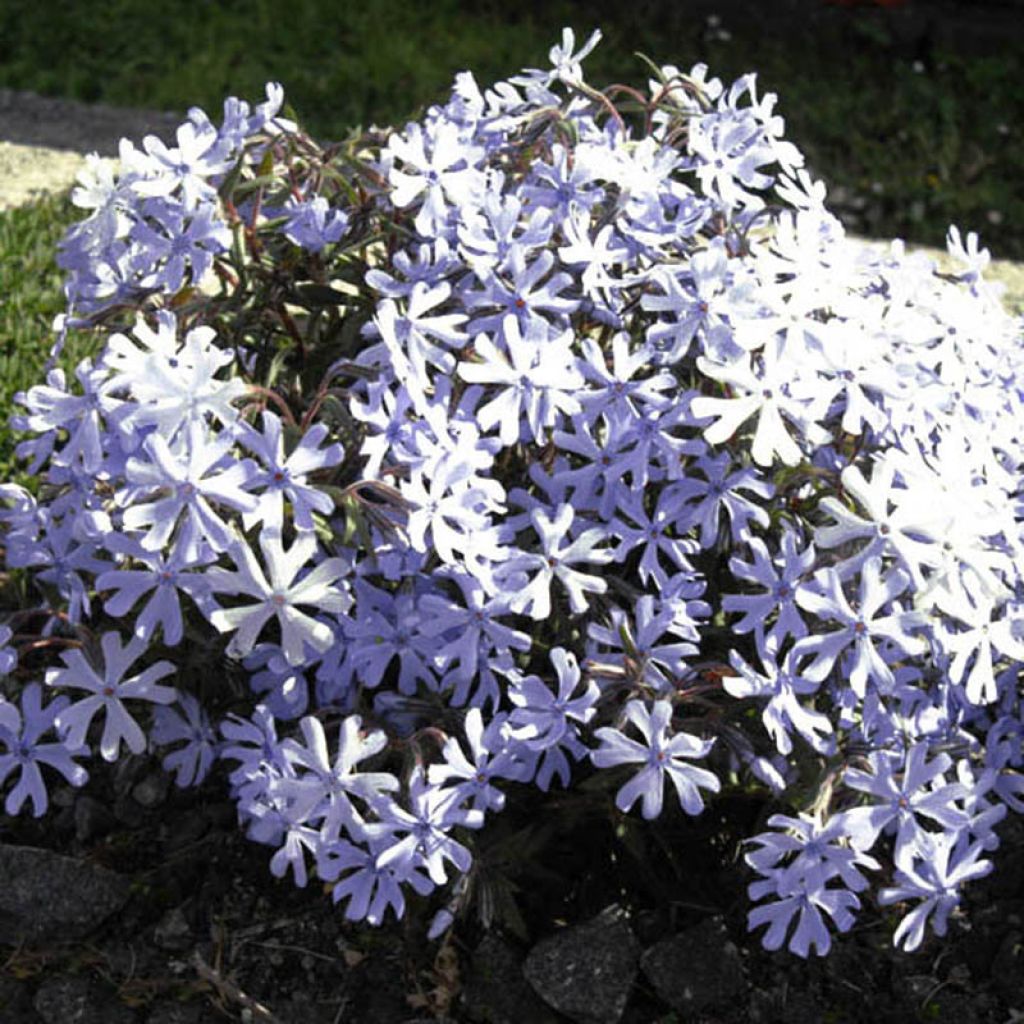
(549, 433)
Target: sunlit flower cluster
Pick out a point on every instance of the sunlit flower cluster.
(539, 439)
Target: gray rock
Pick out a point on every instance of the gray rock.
(496, 990)
(128, 771)
(695, 969)
(803, 1008)
(1008, 969)
(152, 790)
(379, 990)
(67, 124)
(184, 830)
(68, 999)
(915, 989)
(173, 932)
(16, 1003)
(990, 925)
(964, 1009)
(63, 796)
(46, 896)
(586, 972)
(92, 819)
(128, 812)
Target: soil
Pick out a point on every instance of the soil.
(205, 934)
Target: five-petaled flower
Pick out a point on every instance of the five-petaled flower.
(663, 755)
(109, 690)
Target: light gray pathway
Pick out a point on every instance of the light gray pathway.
(43, 140)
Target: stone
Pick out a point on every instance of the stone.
(803, 1008)
(496, 991)
(152, 790)
(128, 812)
(1008, 969)
(178, 1013)
(129, 770)
(990, 924)
(46, 896)
(185, 830)
(379, 989)
(60, 124)
(16, 1003)
(586, 972)
(93, 819)
(698, 968)
(68, 999)
(173, 932)
(964, 1009)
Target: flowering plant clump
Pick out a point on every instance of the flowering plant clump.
(558, 436)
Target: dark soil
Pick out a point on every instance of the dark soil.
(207, 934)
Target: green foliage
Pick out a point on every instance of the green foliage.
(30, 297)
(341, 64)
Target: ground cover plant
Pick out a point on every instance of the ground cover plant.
(557, 440)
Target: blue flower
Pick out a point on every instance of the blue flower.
(934, 877)
(183, 490)
(491, 757)
(192, 761)
(420, 835)
(164, 577)
(8, 652)
(280, 596)
(20, 734)
(904, 788)
(323, 783)
(284, 476)
(808, 902)
(312, 224)
(554, 561)
(108, 691)
(371, 888)
(543, 718)
(661, 755)
(779, 577)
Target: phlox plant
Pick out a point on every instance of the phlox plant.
(558, 436)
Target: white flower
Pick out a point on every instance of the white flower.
(280, 597)
(765, 395)
(553, 561)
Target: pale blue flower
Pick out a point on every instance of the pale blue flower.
(109, 689)
(280, 596)
(24, 754)
(661, 755)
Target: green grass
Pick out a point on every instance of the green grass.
(30, 297)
